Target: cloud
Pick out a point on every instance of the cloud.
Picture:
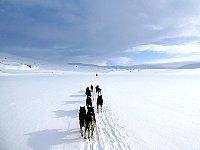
(184, 48)
(91, 28)
(187, 51)
(172, 60)
(177, 58)
(119, 61)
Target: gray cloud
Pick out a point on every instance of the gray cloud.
(90, 28)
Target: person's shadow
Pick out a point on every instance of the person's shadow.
(45, 139)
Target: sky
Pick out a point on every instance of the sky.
(103, 32)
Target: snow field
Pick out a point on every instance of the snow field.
(160, 108)
(142, 110)
(40, 112)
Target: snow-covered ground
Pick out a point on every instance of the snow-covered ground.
(149, 109)
(158, 109)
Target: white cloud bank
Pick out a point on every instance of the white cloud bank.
(184, 48)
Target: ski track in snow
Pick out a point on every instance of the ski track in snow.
(108, 135)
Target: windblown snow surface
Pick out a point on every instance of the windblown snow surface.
(143, 110)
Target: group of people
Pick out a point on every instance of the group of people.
(87, 119)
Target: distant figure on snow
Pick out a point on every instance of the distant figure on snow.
(98, 90)
(99, 101)
(91, 88)
(87, 92)
(88, 101)
(82, 115)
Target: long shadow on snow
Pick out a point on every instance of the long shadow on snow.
(78, 95)
(73, 102)
(81, 91)
(68, 113)
(45, 139)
